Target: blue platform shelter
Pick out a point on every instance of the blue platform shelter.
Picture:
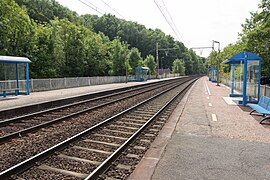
(142, 73)
(213, 74)
(248, 83)
(14, 76)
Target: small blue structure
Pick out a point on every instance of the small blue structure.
(213, 74)
(249, 78)
(142, 73)
(14, 76)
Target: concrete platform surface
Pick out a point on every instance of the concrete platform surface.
(44, 96)
(208, 139)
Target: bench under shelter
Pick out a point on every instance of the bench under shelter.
(245, 76)
(14, 76)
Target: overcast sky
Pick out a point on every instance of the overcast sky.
(198, 21)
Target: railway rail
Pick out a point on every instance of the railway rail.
(21, 125)
(35, 107)
(94, 151)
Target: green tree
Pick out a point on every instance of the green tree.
(119, 57)
(17, 30)
(46, 10)
(188, 63)
(135, 59)
(256, 34)
(150, 63)
(179, 67)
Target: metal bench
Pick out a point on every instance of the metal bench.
(263, 107)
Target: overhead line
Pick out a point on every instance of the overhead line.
(172, 20)
(166, 19)
(95, 9)
(112, 9)
(95, 6)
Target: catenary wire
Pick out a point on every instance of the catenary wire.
(112, 9)
(167, 20)
(177, 30)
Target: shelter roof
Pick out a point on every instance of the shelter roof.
(13, 59)
(242, 56)
(142, 67)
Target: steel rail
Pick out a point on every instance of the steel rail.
(15, 119)
(45, 124)
(39, 106)
(26, 164)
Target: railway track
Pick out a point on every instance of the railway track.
(21, 125)
(92, 152)
(36, 107)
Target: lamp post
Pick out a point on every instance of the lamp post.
(213, 42)
(127, 65)
(157, 60)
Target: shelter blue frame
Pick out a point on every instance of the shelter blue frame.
(213, 75)
(141, 73)
(16, 61)
(243, 57)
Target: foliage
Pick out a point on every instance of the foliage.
(144, 40)
(46, 10)
(119, 57)
(135, 59)
(17, 29)
(179, 67)
(151, 64)
(255, 37)
(62, 44)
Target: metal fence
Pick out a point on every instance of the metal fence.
(62, 83)
(264, 89)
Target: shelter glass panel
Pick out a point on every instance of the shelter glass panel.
(8, 76)
(252, 78)
(238, 75)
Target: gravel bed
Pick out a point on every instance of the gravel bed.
(109, 140)
(118, 173)
(121, 129)
(116, 134)
(126, 123)
(91, 145)
(85, 154)
(36, 173)
(70, 165)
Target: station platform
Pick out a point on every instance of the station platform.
(46, 96)
(208, 137)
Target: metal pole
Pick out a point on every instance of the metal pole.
(245, 81)
(127, 66)
(259, 80)
(27, 79)
(218, 65)
(157, 58)
(232, 79)
(213, 43)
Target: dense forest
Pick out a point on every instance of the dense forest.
(60, 43)
(255, 38)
